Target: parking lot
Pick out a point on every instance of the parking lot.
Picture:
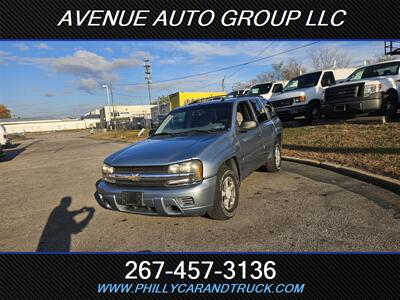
(48, 182)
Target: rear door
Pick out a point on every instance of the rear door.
(266, 125)
(251, 142)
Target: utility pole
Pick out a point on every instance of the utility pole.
(108, 99)
(147, 77)
(223, 84)
(113, 109)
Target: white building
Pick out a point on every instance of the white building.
(120, 112)
(22, 126)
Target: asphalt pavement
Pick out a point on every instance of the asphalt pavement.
(46, 196)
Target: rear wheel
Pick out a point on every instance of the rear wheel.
(226, 195)
(274, 163)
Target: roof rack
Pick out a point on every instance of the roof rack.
(207, 99)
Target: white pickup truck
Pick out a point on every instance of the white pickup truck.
(302, 96)
(373, 89)
(266, 89)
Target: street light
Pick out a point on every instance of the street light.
(108, 100)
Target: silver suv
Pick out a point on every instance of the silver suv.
(193, 163)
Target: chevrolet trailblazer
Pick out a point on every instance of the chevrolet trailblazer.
(193, 163)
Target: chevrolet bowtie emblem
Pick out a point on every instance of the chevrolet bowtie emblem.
(134, 177)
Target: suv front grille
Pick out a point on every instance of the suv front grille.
(281, 103)
(142, 170)
(345, 92)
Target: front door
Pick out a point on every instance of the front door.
(251, 142)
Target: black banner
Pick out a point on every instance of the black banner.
(182, 19)
(200, 275)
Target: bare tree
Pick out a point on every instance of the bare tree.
(281, 71)
(292, 69)
(324, 58)
(381, 58)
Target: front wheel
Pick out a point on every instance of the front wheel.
(313, 114)
(226, 195)
(274, 163)
(390, 105)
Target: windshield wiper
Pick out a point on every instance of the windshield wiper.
(164, 133)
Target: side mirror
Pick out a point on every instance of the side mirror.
(248, 125)
(152, 131)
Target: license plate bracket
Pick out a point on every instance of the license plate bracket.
(131, 199)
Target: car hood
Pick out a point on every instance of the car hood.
(156, 151)
(286, 95)
(371, 80)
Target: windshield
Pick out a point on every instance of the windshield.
(375, 71)
(199, 118)
(303, 81)
(259, 89)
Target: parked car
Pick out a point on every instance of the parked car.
(266, 89)
(194, 161)
(302, 96)
(5, 140)
(371, 89)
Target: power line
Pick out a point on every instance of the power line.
(225, 68)
(258, 55)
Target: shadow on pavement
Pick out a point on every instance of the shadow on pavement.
(60, 226)
(12, 151)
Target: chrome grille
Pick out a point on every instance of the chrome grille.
(284, 102)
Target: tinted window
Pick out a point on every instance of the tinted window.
(386, 69)
(303, 81)
(244, 113)
(277, 88)
(328, 79)
(260, 89)
(259, 110)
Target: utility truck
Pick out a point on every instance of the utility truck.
(373, 89)
(303, 95)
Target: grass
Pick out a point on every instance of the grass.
(374, 148)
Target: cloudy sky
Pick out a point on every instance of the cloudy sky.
(65, 78)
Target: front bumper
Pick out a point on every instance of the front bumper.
(291, 111)
(163, 201)
(353, 107)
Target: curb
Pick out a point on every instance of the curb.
(379, 180)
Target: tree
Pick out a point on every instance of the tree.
(380, 58)
(324, 58)
(161, 100)
(4, 112)
(292, 69)
(281, 71)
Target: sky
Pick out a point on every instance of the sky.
(65, 78)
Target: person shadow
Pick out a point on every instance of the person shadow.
(60, 226)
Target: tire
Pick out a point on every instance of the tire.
(227, 183)
(313, 113)
(390, 105)
(274, 163)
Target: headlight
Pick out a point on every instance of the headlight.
(106, 169)
(371, 89)
(193, 168)
(299, 99)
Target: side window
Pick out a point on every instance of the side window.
(259, 109)
(244, 113)
(277, 88)
(328, 79)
